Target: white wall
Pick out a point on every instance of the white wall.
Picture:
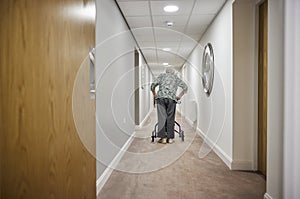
(283, 104)
(233, 36)
(213, 110)
(292, 97)
(275, 99)
(115, 83)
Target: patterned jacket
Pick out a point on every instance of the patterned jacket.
(168, 84)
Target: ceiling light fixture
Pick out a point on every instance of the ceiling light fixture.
(171, 8)
(165, 64)
(169, 23)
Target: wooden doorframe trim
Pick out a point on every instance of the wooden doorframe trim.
(255, 90)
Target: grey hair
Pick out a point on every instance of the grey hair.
(170, 70)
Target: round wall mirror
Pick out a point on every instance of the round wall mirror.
(208, 66)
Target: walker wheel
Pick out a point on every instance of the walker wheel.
(182, 136)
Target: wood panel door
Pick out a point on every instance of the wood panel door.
(262, 87)
(43, 43)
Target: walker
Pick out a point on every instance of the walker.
(179, 131)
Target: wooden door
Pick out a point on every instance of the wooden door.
(43, 43)
(262, 87)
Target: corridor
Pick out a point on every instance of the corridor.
(77, 105)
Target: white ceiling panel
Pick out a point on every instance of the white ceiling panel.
(208, 6)
(166, 31)
(178, 21)
(166, 54)
(134, 8)
(157, 68)
(167, 36)
(150, 56)
(139, 22)
(142, 31)
(185, 7)
(171, 50)
(157, 65)
(146, 45)
(172, 59)
(148, 51)
(178, 29)
(146, 37)
(151, 59)
(164, 44)
(173, 46)
(147, 20)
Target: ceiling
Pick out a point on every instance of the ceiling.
(147, 20)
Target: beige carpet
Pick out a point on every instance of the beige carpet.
(160, 171)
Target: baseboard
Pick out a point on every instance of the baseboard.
(107, 172)
(267, 196)
(224, 157)
(145, 119)
(244, 165)
(232, 164)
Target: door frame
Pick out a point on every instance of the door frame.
(256, 65)
(136, 60)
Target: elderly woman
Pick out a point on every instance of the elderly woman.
(166, 98)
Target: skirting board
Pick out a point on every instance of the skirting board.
(232, 164)
(226, 159)
(107, 172)
(145, 119)
(244, 165)
(267, 196)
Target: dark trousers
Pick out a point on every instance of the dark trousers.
(166, 114)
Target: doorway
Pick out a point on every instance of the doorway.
(262, 87)
(136, 88)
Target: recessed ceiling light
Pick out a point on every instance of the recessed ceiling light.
(165, 64)
(166, 49)
(171, 8)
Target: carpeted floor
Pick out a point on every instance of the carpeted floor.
(153, 170)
